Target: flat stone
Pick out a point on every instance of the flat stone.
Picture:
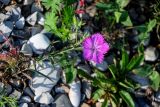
(32, 19)
(26, 50)
(102, 66)
(5, 2)
(29, 92)
(86, 88)
(16, 94)
(28, 2)
(151, 54)
(40, 19)
(61, 100)
(23, 105)
(25, 99)
(15, 14)
(3, 17)
(36, 8)
(84, 68)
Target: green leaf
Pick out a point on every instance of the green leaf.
(143, 71)
(122, 3)
(135, 62)
(98, 94)
(105, 103)
(113, 70)
(71, 74)
(84, 74)
(127, 98)
(124, 61)
(125, 19)
(117, 16)
(151, 24)
(154, 80)
(104, 6)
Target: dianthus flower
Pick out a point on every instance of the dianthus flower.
(94, 48)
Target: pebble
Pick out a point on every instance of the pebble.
(27, 91)
(101, 66)
(84, 68)
(25, 99)
(5, 2)
(16, 94)
(32, 19)
(40, 19)
(28, 2)
(61, 100)
(20, 23)
(26, 50)
(23, 105)
(86, 88)
(151, 54)
(36, 8)
(3, 17)
(15, 14)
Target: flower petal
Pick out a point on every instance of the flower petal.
(100, 57)
(104, 48)
(87, 43)
(97, 39)
(87, 54)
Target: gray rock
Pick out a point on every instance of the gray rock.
(6, 28)
(151, 54)
(5, 1)
(44, 105)
(29, 92)
(35, 30)
(3, 17)
(44, 98)
(61, 100)
(36, 8)
(8, 89)
(32, 19)
(16, 83)
(40, 19)
(102, 66)
(15, 14)
(86, 88)
(1, 86)
(20, 23)
(25, 99)
(23, 105)
(16, 94)
(28, 2)
(61, 89)
(26, 50)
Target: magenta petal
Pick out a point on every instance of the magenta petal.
(94, 57)
(104, 48)
(97, 39)
(87, 54)
(100, 57)
(87, 43)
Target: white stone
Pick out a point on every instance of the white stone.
(23, 105)
(28, 2)
(39, 43)
(101, 66)
(40, 19)
(44, 98)
(25, 99)
(151, 54)
(26, 50)
(32, 19)
(75, 93)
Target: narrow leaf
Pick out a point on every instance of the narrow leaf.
(154, 80)
(98, 94)
(151, 24)
(124, 61)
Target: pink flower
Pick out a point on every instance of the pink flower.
(94, 48)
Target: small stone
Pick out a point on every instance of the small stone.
(62, 89)
(5, 2)
(91, 10)
(35, 30)
(151, 54)
(44, 105)
(102, 66)
(6, 28)
(16, 83)
(15, 14)
(40, 19)
(28, 2)
(44, 98)
(25, 99)
(23, 105)
(85, 105)
(36, 8)
(86, 88)
(26, 50)
(84, 68)
(8, 89)
(75, 93)
(3, 17)
(29, 92)
(20, 23)
(32, 19)
(1, 86)
(16, 94)
(39, 43)
(61, 100)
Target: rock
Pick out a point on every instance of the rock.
(61, 100)
(102, 66)
(62, 89)
(3, 17)
(35, 30)
(36, 8)
(25, 99)
(23, 105)
(75, 94)
(39, 43)
(85, 105)
(40, 19)
(5, 2)
(27, 91)
(16, 83)
(151, 54)
(8, 89)
(21, 33)
(28, 2)
(86, 88)
(84, 68)
(44, 105)
(20, 23)
(32, 19)
(1, 86)
(16, 94)
(142, 102)
(15, 14)
(26, 50)
(44, 98)
(91, 10)
(6, 28)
